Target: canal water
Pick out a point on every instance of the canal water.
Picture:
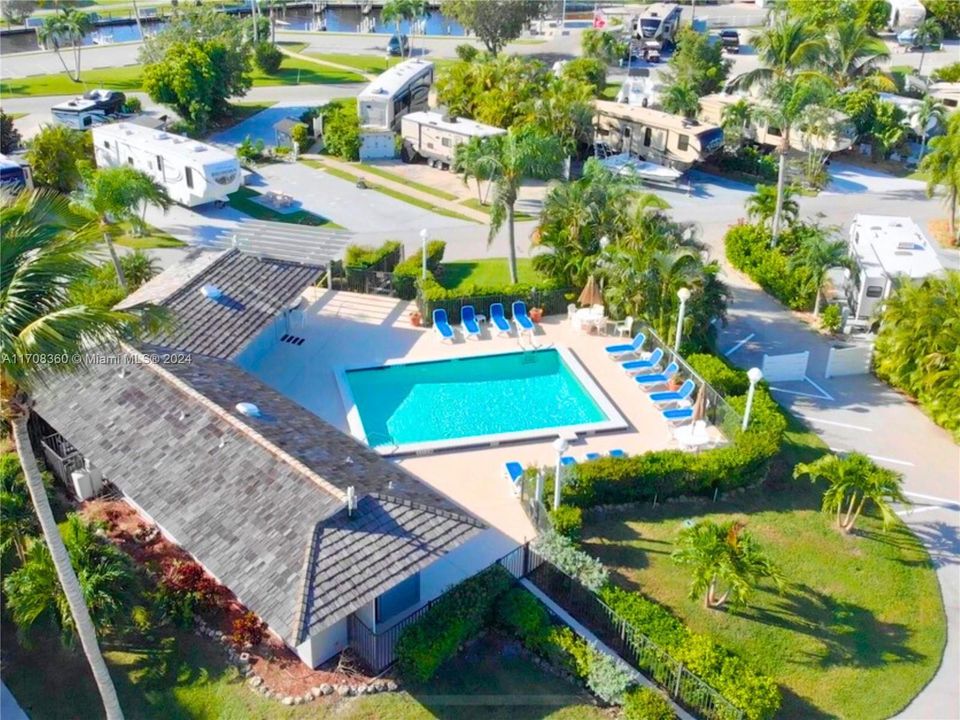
(332, 19)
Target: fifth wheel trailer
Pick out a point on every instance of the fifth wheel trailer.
(435, 136)
(192, 172)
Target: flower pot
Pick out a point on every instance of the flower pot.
(416, 319)
(536, 314)
(673, 384)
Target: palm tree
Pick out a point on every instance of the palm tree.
(44, 251)
(396, 11)
(114, 194)
(928, 32)
(508, 160)
(680, 98)
(853, 52)
(726, 562)
(67, 25)
(735, 119)
(814, 257)
(762, 205)
(854, 481)
(942, 166)
(138, 267)
(930, 109)
(786, 48)
(33, 593)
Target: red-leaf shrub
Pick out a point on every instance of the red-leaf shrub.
(248, 630)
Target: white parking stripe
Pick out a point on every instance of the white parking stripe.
(739, 345)
(827, 395)
(915, 511)
(943, 501)
(878, 457)
(838, 424)
(801, 394)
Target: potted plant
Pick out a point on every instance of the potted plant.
(536, 313)
(416, 319)
(673, 383)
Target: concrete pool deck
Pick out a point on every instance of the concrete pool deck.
(344, 329)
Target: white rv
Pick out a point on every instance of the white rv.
(657, 25)
(910, 108)
(887, 250)
(653, 135)
(435, 136)
(947, 93)
(402, 89)
(840, 135)
(192, 172)
(96, 106)
(906, 14)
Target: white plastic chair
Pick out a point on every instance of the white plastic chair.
(625, 328)
(572, 316)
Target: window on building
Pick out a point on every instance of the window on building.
(398, 598)
(129, 161)
(647, 137)
(106, 144)
(445, 142)
(626, 133)
(188, 173)
(683, 142)
(775, 131)
(874, 291)
(87, 121)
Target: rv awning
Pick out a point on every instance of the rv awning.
(286, 241)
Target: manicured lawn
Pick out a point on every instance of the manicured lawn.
(860, 628)
(384, 173)
(176, 676)
(127, 79)
(152, 238)
(485, 273)
(475, 204)
(244, 201)
(365, 63)
(610, 91)
(296, 71)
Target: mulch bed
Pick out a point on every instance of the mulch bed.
(282, 671)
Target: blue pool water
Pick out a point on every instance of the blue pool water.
(468, 397)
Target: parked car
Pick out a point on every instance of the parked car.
(731, 41)
(398, 44)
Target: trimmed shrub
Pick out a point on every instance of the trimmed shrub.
(365, 257)
(646, 704)
(455, 618)
(831, 319)
(267, 57)
(650, 618)
(720, 375)
(748, 248)
(466, 52)
(523, 615)
(568, 521)
(247, 630)
(407, 273)
(609, 678)
(132, 105)
(300, 136)
(341, 128)
(565, 555)
(590, 71)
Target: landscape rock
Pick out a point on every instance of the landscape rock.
(380, 685)
(342, 690)
(287, 700)
(326, 689)
(391, 686)
(255, 681)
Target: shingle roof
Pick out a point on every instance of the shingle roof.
(254, 291)
(357, 557)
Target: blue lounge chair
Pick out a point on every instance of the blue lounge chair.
(441, 325)
(567, 461)
(617, 453)
(677, 415)
(634, 366)
(468, 320)
(650, 380)
(498, 320)
(669, 396)
(591, 456)
(615, 352)
(520, 318)
(513, 471)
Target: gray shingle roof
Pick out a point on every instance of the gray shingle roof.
(356, 558)
(255, 290)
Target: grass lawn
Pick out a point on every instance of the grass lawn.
(244, 201)
(296, 71)
(860, 628)
(365, 63)
(176, 676)
(385, 173)
(350, 177)
(126, 79)
(610, 91)
(486, 272)
(152, 238)
(475, 204)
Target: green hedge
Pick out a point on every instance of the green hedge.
(749, 248)
(567, 521)
(647, 704)
(747, 161)
(719, 374)
(545, 295)
(385, 258)
(455, 618)
(669, 473)
(406, 274)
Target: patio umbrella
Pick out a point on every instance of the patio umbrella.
(700, 405)
(591, 294)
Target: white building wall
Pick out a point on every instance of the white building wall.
(377, 144)
(322, 646)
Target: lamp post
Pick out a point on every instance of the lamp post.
(604, 244)
(423, 252)
(560, 445)
(684, 295)
(755, 375)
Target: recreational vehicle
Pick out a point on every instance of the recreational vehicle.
(657, 25)
(911, 109)
(14, 175)
(402, 89)
(192, 172)
(655, 136)
(886, 250)
(95, 106)
(906, 14)
(947, 93)
(839, 132)
(434, 136)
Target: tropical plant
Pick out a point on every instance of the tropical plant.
(831, 319)
(725, 560)
(268, 57)
(494, 22)
(508, 160)
(57, 154)
(916, 348)
(114, 194)
(398, 11)
(138, 267)
(681, 98)
(562, 109)
(948, 73)
(602, 45)
(931, 112)
(947, 13)
(888, 131)
(854, 53)
(942, 166)
(9, 135)
(853, 481)
(814, 257)
(698, 62)
(735, 119)
(928, 34)
(761, 207)
(787, 47)
(247, 629)
(66, 27)
(17, 11)
(45, 249)
(18, 523)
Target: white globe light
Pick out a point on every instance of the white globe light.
(755, 375)
(683, 294)
(560, 445)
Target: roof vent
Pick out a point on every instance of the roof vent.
(248, 409)
(212, 292)
(351, 500)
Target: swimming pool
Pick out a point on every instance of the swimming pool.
(484, 399)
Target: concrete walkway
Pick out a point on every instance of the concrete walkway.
(583, 632)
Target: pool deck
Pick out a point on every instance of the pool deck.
(349, 330)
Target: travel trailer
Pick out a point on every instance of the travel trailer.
(655, 136)
(192, 172)
(657, 25)
(840, 136)
(886, 250)
(94, 107)
(946, 93)
(910, 108)
(435, 136)
(402, 89)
